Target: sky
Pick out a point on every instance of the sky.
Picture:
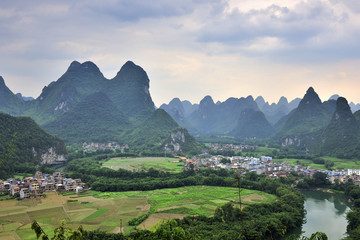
(189, 48)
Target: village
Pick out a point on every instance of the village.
(36, 186)
(266, 165)
(102, 146)
(233, 147)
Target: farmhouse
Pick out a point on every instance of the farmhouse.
(34, 187)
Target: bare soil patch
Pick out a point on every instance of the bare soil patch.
(252, 197)
(182, 192)
(156, 217)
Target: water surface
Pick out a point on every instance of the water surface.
(326, 212)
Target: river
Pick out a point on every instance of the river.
(326, 212)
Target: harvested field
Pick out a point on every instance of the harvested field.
(158, 163)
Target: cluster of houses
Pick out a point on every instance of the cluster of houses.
(102, 146)
(266, 165)
(35, 186)
(261, 165)
(236, 148)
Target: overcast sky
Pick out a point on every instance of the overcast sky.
(189, 48)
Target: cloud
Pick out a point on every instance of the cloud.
(211, 45)
(317, 29)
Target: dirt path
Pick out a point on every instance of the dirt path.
(117, 230)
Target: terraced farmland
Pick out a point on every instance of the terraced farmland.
(105, 211)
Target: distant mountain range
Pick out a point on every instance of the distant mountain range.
(239, 117)
(324, 128)
(21, 97)
(275, 111)
(307, 124)
(82, 105)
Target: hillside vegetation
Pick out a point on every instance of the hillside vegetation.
(22, 142)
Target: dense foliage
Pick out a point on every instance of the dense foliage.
(27, 140)
(81, 124)
(341, 137)
(311, 115)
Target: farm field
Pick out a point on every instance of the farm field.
(158, 163)
(191, 200)
(338, 163)
(104, 211)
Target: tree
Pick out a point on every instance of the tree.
(171, 230)
(319, 179)
(61, 233)
(314, 236)
(225, 161)
(318, 236)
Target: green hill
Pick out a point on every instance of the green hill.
(95, 119)
(9, 102)
(160, 131)
(151, 133)
(341, 137)
(252, 124)
(303, 125)
(31, 144)
(311, 115)
(79, 81)
(82, 105)
(129, 90)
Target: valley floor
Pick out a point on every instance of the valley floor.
(109, 210)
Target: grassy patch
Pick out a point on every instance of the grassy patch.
(97, 213)
(67, 193)
(338, 163)
(192, 200)
(23, 175)
(5, 197)
(264, 151)
(158, 163)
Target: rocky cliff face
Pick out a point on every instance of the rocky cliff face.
(177, 137)
(50, 157)
(295, 141)
(180, 141)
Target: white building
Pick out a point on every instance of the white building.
(353, 171)
(265, 158)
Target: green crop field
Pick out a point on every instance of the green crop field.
(105, 211)
(158, 163)
(191, 200)
(338, 163)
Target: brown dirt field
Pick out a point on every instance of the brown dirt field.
(144, 207)
(156, 217)
(251, 197)
(7, 238)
